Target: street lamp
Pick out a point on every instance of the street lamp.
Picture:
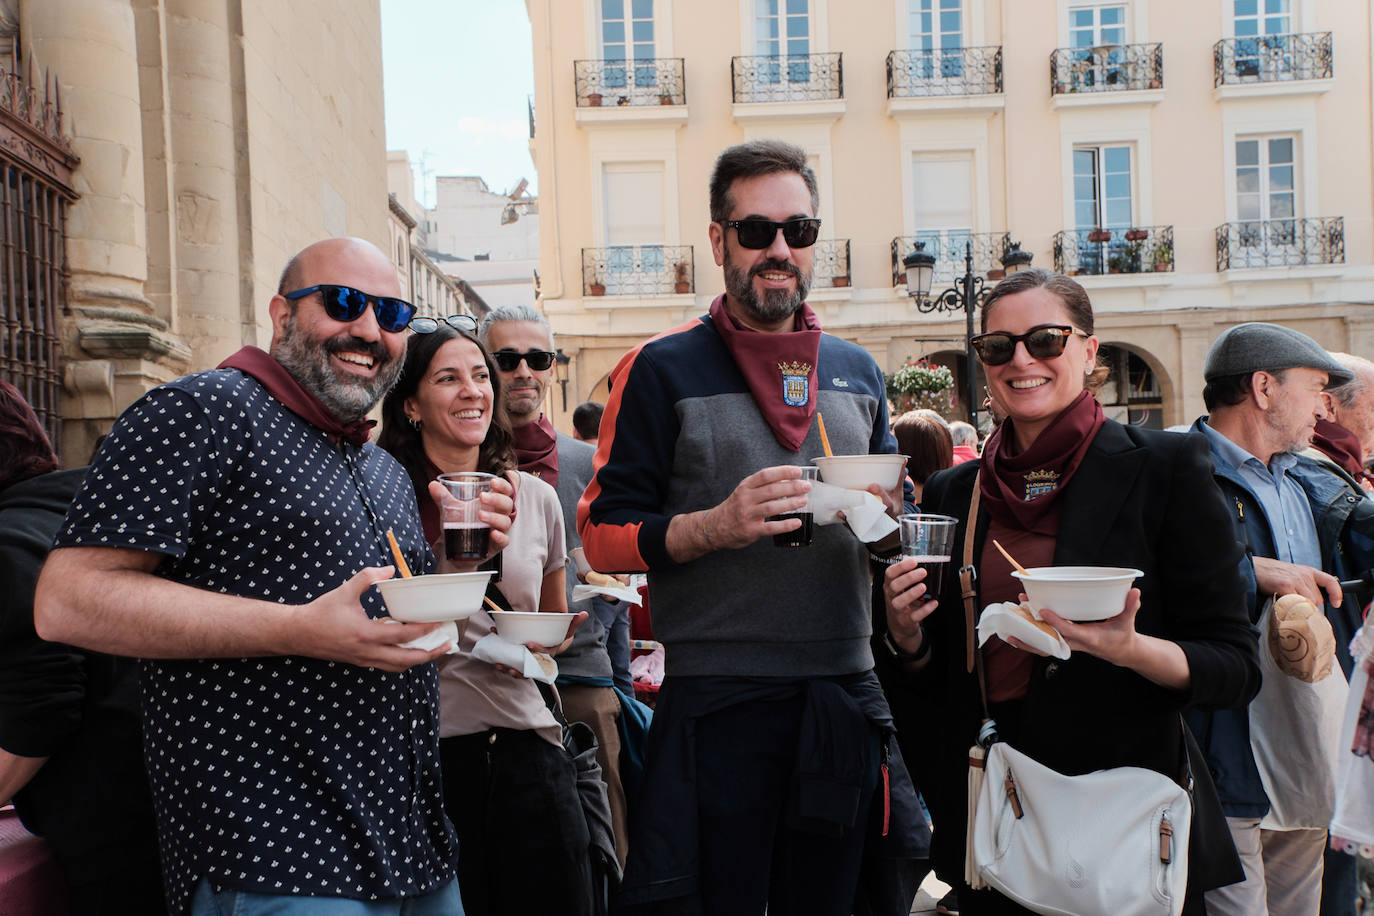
(967, 293)
(560, 371)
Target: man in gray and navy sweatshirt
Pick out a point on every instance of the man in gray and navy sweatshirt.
(771, 780)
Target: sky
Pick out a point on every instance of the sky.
(459, 75)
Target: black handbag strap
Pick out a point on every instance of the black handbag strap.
(968, 577)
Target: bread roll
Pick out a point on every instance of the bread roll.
(1301, 640)
(1049, 631)
(602, 579)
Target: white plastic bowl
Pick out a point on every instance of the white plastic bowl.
(521, 627)
(437, 597)
(1078, 593)
(856, 472)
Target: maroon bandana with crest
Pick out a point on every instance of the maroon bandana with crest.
(1019, 490)
(536, 450)
(780, 370)
(1341, 446)
(283, 386)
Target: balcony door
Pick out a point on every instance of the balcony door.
(937, 33)
(1266, 200)
(634, 229)
(627, 47)
(1263, 49)
(943, 186)
(1101, 204)
(1097, 33)
(782, 30)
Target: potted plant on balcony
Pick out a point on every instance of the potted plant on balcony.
(682, 282)
(665, 98)
(594, 99)
(840, 280)
(1162, 258)
(595, 287)
(1137, 235)
(919, 384)
(1099, 235)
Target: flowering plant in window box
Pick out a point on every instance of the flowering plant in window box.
(919, 383)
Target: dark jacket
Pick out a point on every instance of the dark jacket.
(1345, 533)
(79, 709)
(1139, 499)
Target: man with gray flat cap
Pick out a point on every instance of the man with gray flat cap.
(1264, 397)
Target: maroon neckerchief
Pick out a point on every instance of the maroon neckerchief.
(780, 370)
(536, 450)
(1341, 446)
(1019, 490)
(283, 386)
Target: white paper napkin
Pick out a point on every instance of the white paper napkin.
(624, 593)
(864, 513)
(447, 632)
(494, 650)
(1002, 620)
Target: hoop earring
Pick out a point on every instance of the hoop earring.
(414, 423)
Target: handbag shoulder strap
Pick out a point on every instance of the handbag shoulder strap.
(968, 576)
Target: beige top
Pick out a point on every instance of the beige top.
(474, 696)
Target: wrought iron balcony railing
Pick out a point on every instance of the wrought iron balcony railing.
(958, 71)
(787, 78)
(831, 261)
(947, 246)
(637, 270)
(1107, 68)
(1272, 58)
(1133, 250)
(1281, 242)
(651, 81)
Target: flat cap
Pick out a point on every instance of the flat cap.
(1259, 347)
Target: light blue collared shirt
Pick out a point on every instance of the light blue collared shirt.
(1284, 501)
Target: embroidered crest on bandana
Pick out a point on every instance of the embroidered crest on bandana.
(795, 391)
(1038, 483)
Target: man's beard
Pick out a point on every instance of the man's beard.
(348, 399)
(776, 304)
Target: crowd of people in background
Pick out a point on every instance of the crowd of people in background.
(205, 707)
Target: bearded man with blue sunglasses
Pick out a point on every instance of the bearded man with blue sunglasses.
(229, 534)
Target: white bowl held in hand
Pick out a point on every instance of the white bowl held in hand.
(1078, 593)
(521, 627)
(856, 472)
(437, 597)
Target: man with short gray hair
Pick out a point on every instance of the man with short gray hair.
(1345, 440)
(521, 344)
(965, 439)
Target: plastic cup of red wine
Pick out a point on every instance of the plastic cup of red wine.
(929, 539)
(466, 536)
(802, 536)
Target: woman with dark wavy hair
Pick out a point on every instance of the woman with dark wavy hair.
(509, 785)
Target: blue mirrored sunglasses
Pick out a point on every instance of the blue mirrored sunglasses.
(430, 325)
(344, 303)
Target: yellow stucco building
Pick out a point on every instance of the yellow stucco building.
(1193, 165)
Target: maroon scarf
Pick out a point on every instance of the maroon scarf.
(1020, 490)
(780, 370)
(1341, 446)
(536, 450)
(283, 386)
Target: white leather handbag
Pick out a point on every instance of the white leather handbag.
(1109, 843)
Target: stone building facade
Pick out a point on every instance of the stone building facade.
(209, 140)
(1236, 184)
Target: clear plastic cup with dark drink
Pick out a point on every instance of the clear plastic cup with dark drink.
(466, 536)
(803, 535)
(929, 539)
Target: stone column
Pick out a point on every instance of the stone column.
(205, 78)
(114, 346)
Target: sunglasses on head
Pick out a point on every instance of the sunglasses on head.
(430, 325)
(756, 232)
(344, 303)
(1044, 341)
(509, 360)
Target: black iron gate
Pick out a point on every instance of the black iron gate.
(36, 165)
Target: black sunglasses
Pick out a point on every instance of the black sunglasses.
(344, 303)
(756, 232)
(509, 360)
(430, 325)
(1044, 341)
